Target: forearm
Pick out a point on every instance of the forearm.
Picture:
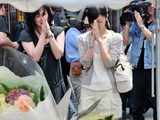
(34, 51)
(147, 33)
(38, 50)
(56, 48)
(125, 34)
(5, 41)
(86, 58)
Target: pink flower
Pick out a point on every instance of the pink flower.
(24, 103)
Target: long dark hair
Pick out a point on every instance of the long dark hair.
(30, 19)
(93, 12)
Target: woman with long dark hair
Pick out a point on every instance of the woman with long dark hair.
(45, 44)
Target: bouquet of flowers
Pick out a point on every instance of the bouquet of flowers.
(28, 98)
(21, 97)
(24, 92)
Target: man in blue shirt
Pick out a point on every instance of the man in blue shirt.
(141, 57)
(72, 57)
(71, 45)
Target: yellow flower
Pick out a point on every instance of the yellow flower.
(3, 103)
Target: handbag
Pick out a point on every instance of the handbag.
(123, 74)
(76, 68)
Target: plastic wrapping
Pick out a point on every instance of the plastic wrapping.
(18, 71)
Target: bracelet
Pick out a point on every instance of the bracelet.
(51, 36)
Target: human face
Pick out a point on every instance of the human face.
(41, 17)
(101, 21)
(151, 10)
(3, 10)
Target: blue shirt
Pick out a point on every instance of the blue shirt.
(71, 45)
(137, 44)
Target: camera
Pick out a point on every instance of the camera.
(137, 5)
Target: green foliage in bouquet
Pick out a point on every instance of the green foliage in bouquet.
(3, 88)
(11, 95)
(24, 92)
(42, 94)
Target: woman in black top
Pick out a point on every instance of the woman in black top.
(45, 45)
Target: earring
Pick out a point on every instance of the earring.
(86, 20)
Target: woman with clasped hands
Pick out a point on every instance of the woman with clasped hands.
(99, 50)
(45, 44)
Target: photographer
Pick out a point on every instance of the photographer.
(141, 31)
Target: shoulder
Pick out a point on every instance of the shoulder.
(57, 30)
(72, 34)
(84, 36)
(25, 36)
(72, 30)
(115, 36)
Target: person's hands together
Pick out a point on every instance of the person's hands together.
(89, 54)
(95, 30)
(44, 32)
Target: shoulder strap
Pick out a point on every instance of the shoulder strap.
(126, 49)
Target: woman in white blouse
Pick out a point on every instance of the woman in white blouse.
(99, 50)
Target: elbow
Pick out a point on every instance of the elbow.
(58, 56)
(149, 35)
(36, 59)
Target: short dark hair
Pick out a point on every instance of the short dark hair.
(93, 12)
(31, 16)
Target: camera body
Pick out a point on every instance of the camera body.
(139, 6)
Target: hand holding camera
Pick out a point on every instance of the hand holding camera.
(136, 11)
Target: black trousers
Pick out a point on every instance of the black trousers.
(126, 100)
(142, 93)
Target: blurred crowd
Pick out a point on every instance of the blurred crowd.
(78, 50)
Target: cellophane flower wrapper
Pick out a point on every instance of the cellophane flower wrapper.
(31, 76)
